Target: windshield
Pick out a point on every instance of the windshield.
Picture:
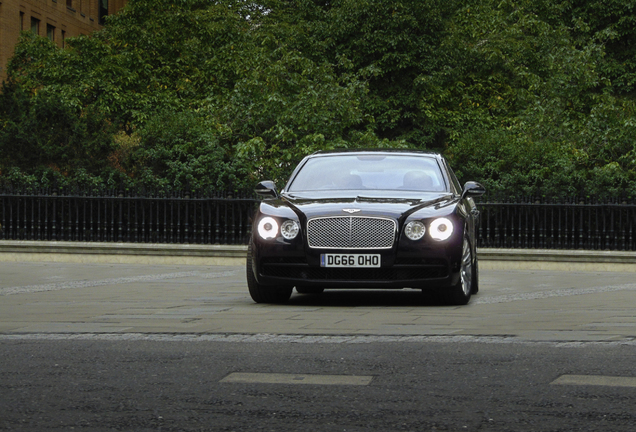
(370, 172)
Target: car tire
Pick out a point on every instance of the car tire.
(264, 293)
(475, 287)
(309, 290)
(460, 293)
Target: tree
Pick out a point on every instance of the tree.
(386, 44)
(43, 140)
(532, 99)
(528, 96)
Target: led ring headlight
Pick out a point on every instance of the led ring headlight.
(289, 229)
(441, 229)
(268, 228)
(415, 230)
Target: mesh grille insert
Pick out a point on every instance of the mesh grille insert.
(351, 232)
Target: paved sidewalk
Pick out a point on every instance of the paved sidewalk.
(198, 301)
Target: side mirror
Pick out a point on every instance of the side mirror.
(266, 189)
(473, 189)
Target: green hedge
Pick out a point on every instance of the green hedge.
(527, 96)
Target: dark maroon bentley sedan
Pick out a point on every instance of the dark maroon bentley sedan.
(365, 219)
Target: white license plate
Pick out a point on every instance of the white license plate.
(350, 260)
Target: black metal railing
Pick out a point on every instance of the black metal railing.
(180, 217)
(225, 218)
(570, 223)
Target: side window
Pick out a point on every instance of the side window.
(50, 32)
(455, 183)
(35, 26)
(102, 11)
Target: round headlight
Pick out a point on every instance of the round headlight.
(289, 229)
(441, 229)
(414, 230)
(268, 228)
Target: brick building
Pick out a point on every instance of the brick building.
(55, 19)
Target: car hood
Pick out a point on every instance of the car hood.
(396, 208)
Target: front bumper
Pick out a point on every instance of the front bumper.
(284, 264)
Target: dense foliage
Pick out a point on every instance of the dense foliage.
(527, 96)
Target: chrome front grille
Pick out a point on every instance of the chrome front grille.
(351, 232)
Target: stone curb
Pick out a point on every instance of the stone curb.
(158, 249)
(556, 260)
(122, 253)
(618, 257)
(195, 254)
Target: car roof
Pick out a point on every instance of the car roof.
(377, 151)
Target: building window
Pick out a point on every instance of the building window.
(103, 10)
(69, 3)
(63, 38)
(21, 21)
(50, 32)
(35, 26)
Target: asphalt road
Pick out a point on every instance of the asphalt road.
(159, 348)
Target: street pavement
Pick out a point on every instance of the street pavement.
(177, 385)
(131, 347)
